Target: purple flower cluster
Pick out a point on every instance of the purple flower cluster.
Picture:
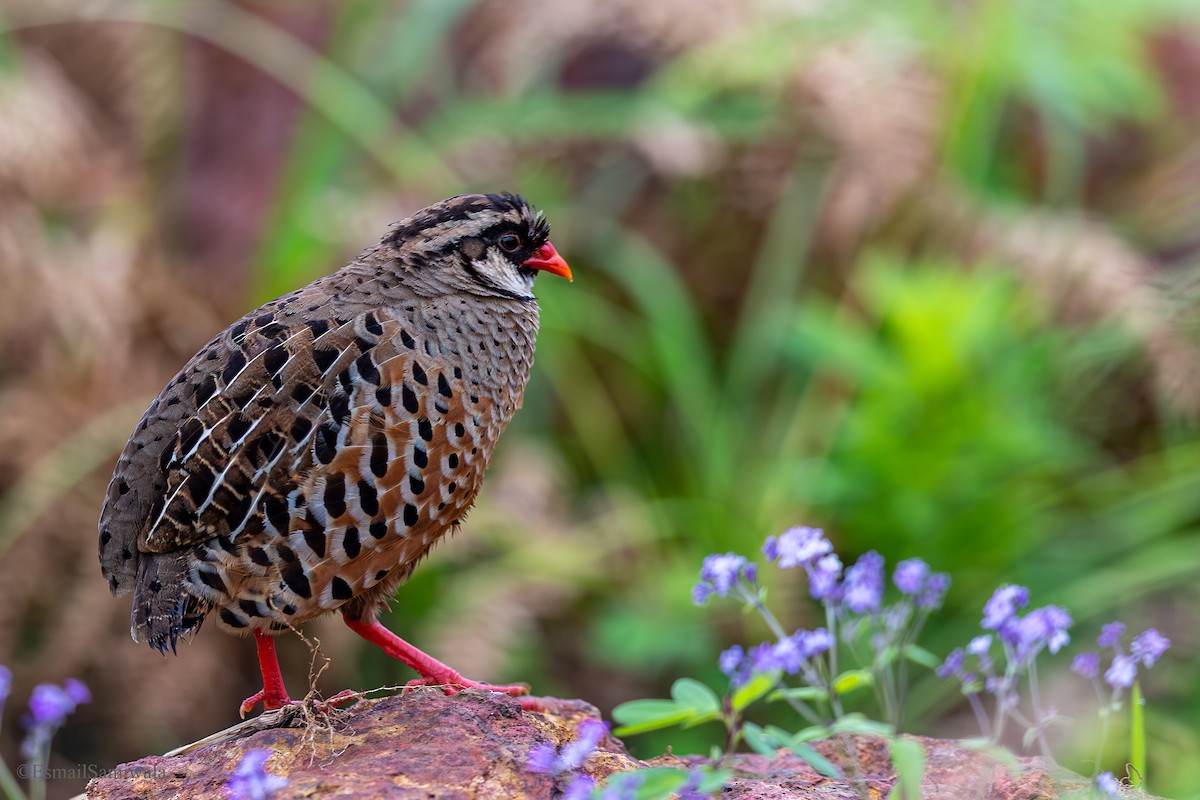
(49, 707)
(1025, 637)
(861, 590)
(720, 574)
(548, 759)
(1145, 650)
(792, 655)
(252, 781)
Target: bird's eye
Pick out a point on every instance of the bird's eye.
(509, 242)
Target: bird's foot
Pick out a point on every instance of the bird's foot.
(270, 704)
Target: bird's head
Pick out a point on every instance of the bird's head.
(491, 245)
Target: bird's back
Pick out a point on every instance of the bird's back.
(310, 454)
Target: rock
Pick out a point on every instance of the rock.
(423, 744)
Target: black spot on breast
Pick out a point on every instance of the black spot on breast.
(105, 537)
(368, 498)
(325, 444)
(318, 327)
(367, 369)
(383, 396)
(410, 514)
(459, 430)
(371, 324)
(269, 445)
(174, 401)
(335, 495)
(231, 619)
(441, 406)
(238, 331)
(156, 585)
(262, 320)
(324, 357)
(458, 373)
(363, 344)
(416, 484)
(407, 340)
(296, 580)
(444, 386)
(340, 589)
(381, 574)
(288, 609)
(452, 488)
(259, 556)
(379, 455)
(425, 429)
(420, 457)
(378, 529)
(249, 608)
(419, 374)
(233, 366)
(212, 579)
(339, 407)
(350, 542)
(314, 537)
(409, 398)
(452, 460)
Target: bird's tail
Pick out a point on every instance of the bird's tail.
(163, 609)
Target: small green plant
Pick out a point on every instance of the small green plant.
(804, 670)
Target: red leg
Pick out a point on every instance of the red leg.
(274, 693)
(433, 672)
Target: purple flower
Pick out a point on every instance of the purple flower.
(1148, 647)
(1108, 785)
(1042, 627)
(823, 577)
(5, 683)
(1122, 672)
(719, 574)
(579, 789)
(788, 654)
(797, 546)
(1003, 605)
(762, 658)
(980, 646)
(910, 575)
(251, 781)
(730, 660)
(953, 665)
(933, 592)
(1087, 665)
(545, 758)
(862, 591)
(1110, 634)
(49, 705)
(622, 787)
(691, 789)
(77, 691)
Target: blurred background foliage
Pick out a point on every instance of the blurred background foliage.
(922, 273)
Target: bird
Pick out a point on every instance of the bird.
(310, 455)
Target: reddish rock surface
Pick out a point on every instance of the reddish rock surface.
(475, 745)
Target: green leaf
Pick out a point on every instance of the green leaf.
(816, 760)
(858, 724)
(640, 716)
(798, 693)
(696, 696)
(754, 690)
(1137, 732)
(759, 740)
(920, 655)
(852, 679)
(908, 757)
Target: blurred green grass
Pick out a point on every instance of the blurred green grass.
(730, 361)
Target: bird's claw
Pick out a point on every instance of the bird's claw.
(322, 706)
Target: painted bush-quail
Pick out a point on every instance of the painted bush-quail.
(311, 454)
